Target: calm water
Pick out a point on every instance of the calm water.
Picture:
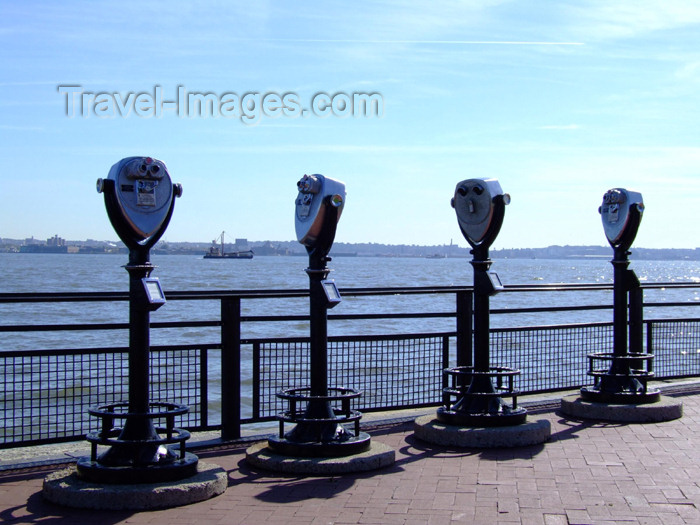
(69, 273)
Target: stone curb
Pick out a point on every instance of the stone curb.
(429, 429)
(665, 409)
(63, 487)
(378, 456)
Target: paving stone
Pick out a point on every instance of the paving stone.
(588, 472)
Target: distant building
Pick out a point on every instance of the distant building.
(56, 241)
(267, 248)
(54, 244)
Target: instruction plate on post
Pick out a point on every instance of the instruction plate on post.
(332, 293)
(496, 283)
(154, 292)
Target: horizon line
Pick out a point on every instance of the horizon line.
(451, 244)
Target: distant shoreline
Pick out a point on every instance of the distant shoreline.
(344, 249)
(528, 254)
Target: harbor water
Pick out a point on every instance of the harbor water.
(105, 273)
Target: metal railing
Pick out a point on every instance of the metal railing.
(45, 393)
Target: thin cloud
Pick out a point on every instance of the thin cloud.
(428, 42)
(565, 127)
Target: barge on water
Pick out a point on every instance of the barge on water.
(220, 253)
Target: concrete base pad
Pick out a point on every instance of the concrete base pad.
(665, 409)
(428, 428)
(378, 456)
(65, 488)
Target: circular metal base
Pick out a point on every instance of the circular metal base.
(320, 449)
(176, 470)
(466, 419)
(595, 395)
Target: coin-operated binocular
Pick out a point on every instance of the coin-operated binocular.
(480, 207)
(319, 205)
(319, 429)
(139, 197)
(625, 378)
(621, 212)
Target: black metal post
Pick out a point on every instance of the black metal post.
(482, 326)
(318, 327)
(139, 348)
(620, 263)
(318, 361)
(319, 431)
(619, 379)
(138, 454)
(231, 368)
(481, 405)
(319, 426)
(140, 427)
(625, 380)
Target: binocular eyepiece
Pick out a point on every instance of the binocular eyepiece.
(310, 184)
(148, 169)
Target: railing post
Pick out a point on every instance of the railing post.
(445, 360)
(636, 325)
(464, 328)
(256, 380)
(204, 388)
(650, 337)
(230, 368)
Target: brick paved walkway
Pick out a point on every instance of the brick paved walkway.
(588, 473)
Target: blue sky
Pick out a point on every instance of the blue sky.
(560, 101)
